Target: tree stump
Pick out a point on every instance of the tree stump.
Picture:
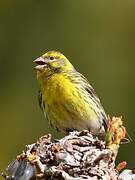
(77, 156)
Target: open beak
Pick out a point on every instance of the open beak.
(41, 63)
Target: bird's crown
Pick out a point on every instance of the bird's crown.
(53, 55)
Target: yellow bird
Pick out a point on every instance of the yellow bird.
(67, 99)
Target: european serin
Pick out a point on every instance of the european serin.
(67, 99)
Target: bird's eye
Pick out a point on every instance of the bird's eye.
(51, 58)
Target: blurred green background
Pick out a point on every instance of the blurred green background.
(99, 39)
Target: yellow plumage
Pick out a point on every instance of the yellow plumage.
(66, 97)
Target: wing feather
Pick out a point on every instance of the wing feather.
(86, 87)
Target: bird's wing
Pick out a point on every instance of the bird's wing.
(42, 106)
(85, 86)
(96, 100)
(40, 100)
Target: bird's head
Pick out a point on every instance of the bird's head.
(52, 62)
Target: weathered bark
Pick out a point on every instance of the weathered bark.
(77, 156)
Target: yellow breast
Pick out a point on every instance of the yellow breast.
(65, 104)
